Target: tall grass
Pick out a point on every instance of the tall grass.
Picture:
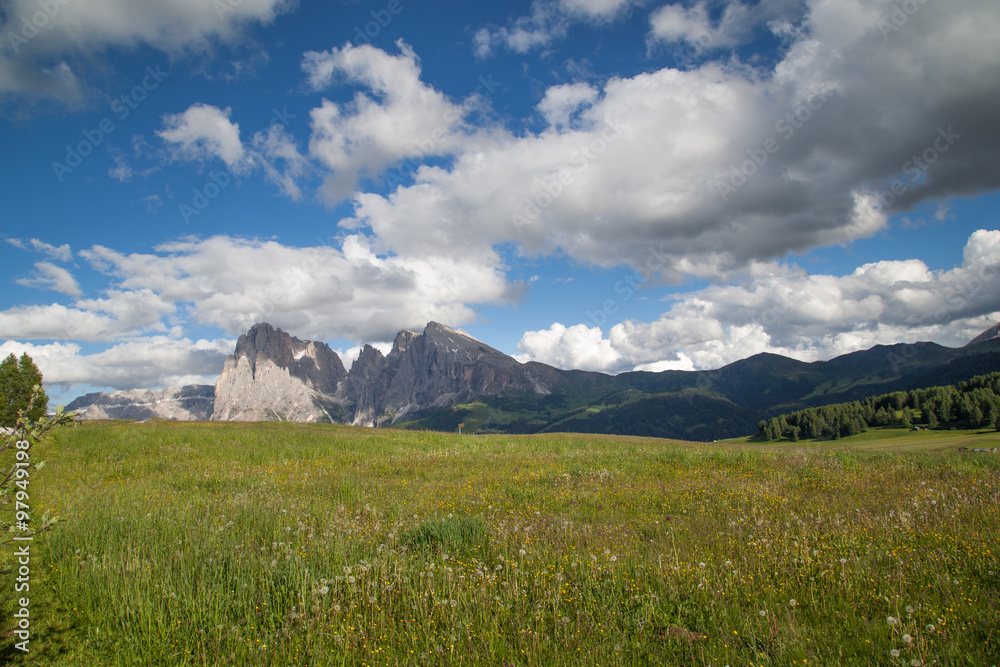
(283, 544)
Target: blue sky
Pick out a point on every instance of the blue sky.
(598, 184)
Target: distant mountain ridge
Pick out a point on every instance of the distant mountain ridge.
(989, 334)
(442, 377)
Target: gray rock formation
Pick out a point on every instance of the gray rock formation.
(441, 367)
(189, 403)
(989, 334)
(274, 376)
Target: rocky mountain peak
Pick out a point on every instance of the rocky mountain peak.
(311, 361)
(403, 339)
(989, 334)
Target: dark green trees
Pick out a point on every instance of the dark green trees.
(974, 403)
(17, 379)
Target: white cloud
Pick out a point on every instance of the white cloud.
(561, 102)
(784, 310)
(579, 347)
(86, 28)
(203, 132)
(321, 292)
(284, 165)
(719, 166)
(120, 313)
(403, 118)
(548, 21)
(62, 253)
(170, 26)
(151, 362)
(50, 276)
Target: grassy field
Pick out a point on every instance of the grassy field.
(284, 544)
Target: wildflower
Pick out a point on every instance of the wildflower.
(894, 652)
(891, 620)
(793, 603)
(614, 558)
(907, 639)
(909, 609)
(336, 607)
(565, 619)
(729, 563)
(351, 580)
(701, 565)
(372, 600)
(521, 551)
(763, 613)
(916, 662)
(843, 561)
(930, 627)
(324, 590)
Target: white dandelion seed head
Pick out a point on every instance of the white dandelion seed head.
(763, 613)
(907, 638)
(894, 653)
(891, 620)
(792, 603)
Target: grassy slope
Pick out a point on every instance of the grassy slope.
(284, 544)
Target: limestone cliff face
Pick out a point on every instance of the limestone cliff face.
(438, 368)
(274, 376)
(189, 403)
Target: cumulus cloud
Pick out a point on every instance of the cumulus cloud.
(149, 362)
(49, 276)
(561, 102)
(721, 166)
(548, 21)
(401, 118)
(119, 313)
(62, 253)
(578, 346)
(72, 29)
(783, 309)
(203, 132)
(322, 292)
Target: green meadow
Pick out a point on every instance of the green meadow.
(292, 544)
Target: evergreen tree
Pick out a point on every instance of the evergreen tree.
(976, 418)
(17, 380)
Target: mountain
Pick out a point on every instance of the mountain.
(274, 376)
(443, 377)
(989, 334)
(189, 403)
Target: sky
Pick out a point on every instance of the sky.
(607, 185)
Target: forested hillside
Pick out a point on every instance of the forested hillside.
(974, 403)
